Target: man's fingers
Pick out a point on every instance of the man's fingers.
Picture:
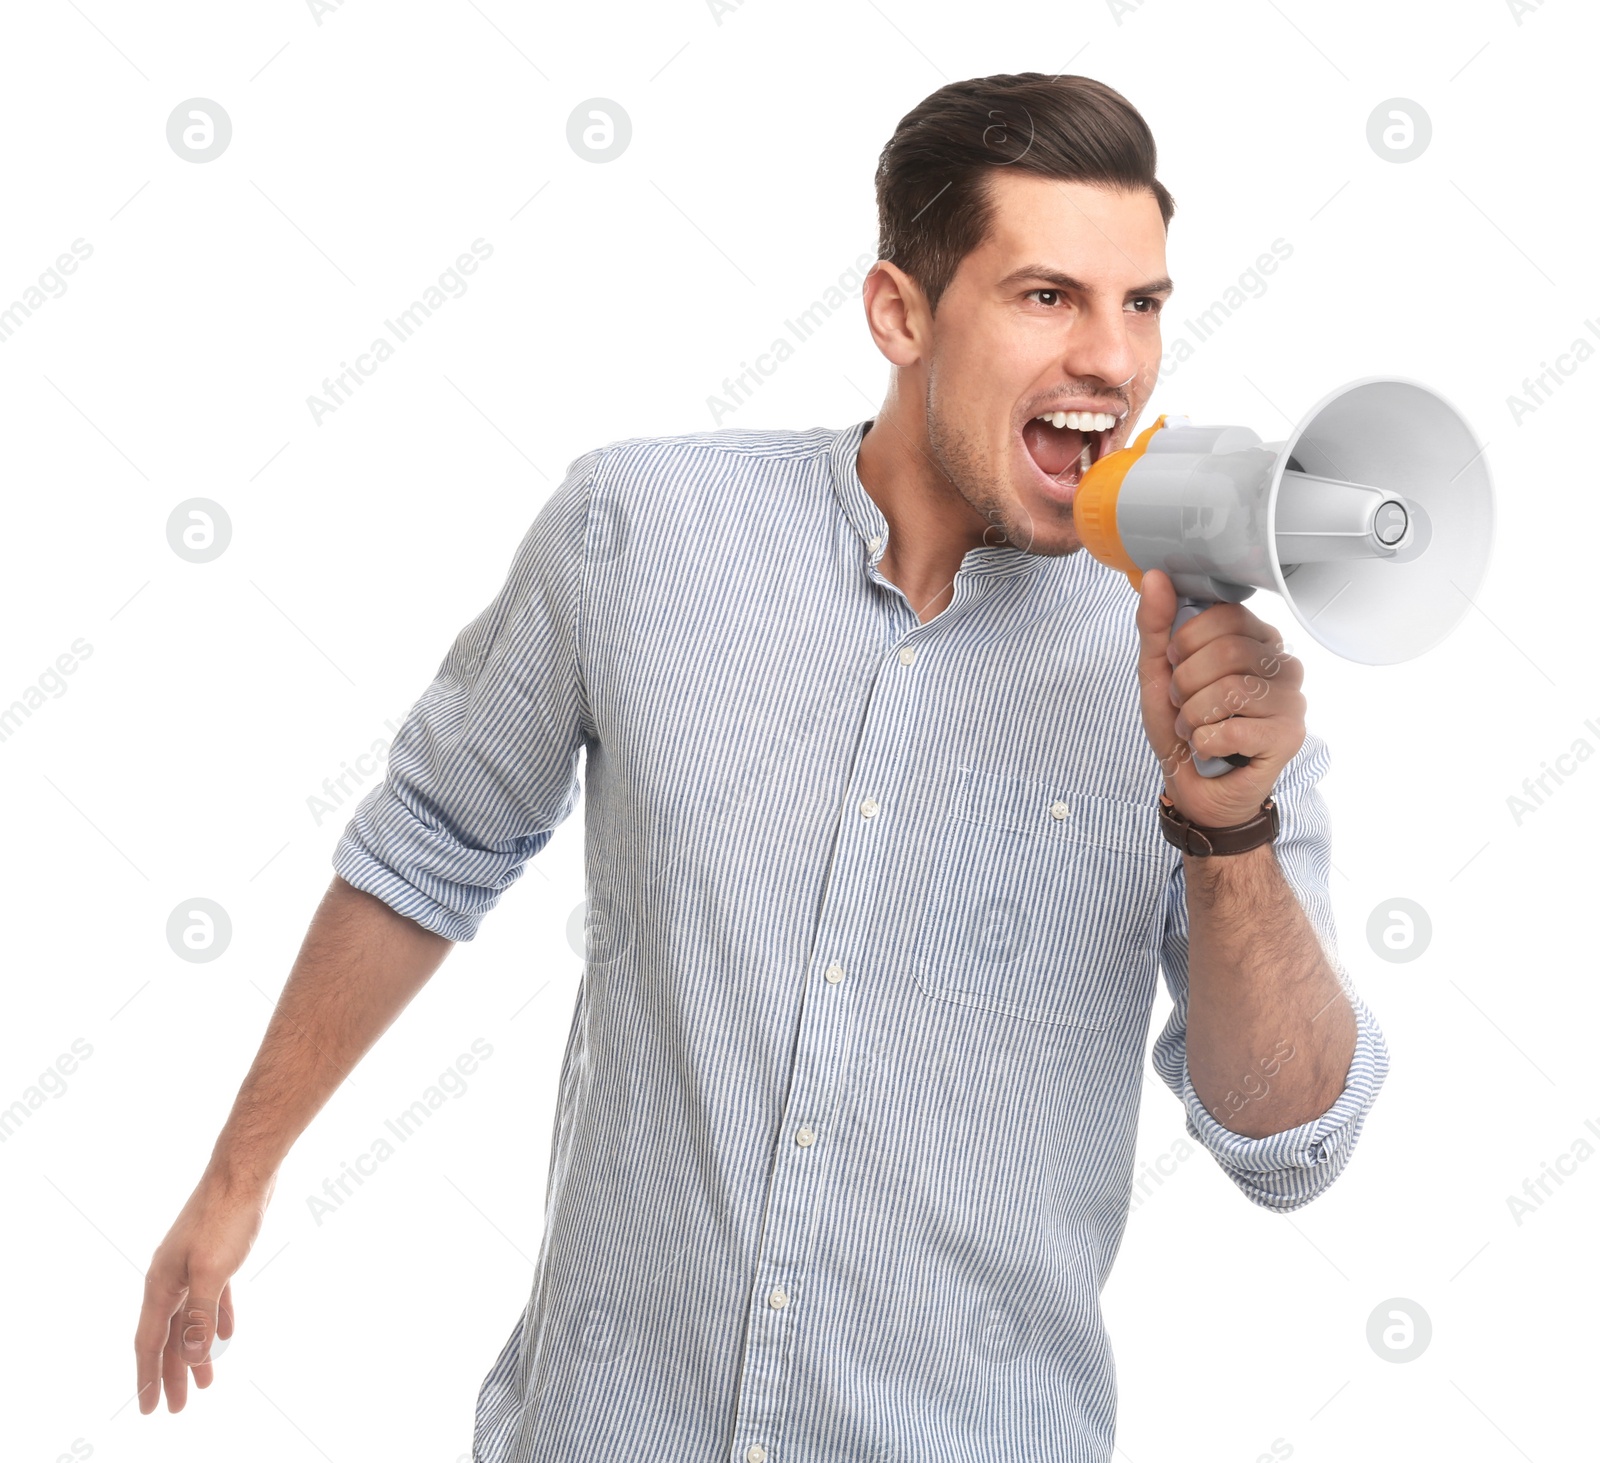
(1278, 735)
(162, 1298)
(149, 1382)
(1233, 655)
(148, 1363)
(1236, 735)
(1158, 603)
(174, 1374)
(198, 1315)
(1236, 696)
(1223, 618)
(176, 1329)
(203, 1373)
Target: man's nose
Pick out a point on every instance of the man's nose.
(1099, 347)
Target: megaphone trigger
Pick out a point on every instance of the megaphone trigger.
(1362, 519)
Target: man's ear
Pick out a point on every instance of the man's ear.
(897, 313)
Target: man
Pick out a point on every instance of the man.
(877, 889)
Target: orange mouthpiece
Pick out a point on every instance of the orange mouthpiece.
(1094, 505)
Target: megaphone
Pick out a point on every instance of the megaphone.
(1373, 519)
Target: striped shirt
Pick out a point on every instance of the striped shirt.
(845, 1125)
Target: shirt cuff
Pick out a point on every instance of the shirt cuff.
(1286, 1170)
(420, 871)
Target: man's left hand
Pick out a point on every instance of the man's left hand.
(1226, 681)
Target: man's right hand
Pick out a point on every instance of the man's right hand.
(188, 1298)
(358, 967)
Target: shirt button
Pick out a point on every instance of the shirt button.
(869, 808)
(873, 542)
(805, 1137)
(778, 1300)
(907, 654)
(833, 974)
(755, 1453)
(1059, 810)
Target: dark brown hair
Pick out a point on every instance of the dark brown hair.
(934, 204)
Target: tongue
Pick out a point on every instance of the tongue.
(1055, 449)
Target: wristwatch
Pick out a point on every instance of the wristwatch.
(1199, 841)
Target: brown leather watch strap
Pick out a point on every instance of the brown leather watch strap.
(1199, 841)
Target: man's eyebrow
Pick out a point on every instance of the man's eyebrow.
(1062, 281)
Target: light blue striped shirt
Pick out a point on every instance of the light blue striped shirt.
(845, 1126)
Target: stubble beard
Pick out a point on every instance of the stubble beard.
(985, 486)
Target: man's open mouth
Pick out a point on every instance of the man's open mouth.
(1065, 443)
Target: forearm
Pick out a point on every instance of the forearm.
(1270, 1033)
(358, 967)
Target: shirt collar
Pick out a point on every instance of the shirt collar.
(868, 521)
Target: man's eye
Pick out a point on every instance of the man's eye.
(1054, 296)
(1150, 300)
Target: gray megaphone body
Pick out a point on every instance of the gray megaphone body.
(1373, 519)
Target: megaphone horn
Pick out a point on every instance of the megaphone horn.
(1373, 519)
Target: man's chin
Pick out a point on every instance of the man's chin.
(1051, 531)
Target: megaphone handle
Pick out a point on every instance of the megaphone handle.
(1188, 608)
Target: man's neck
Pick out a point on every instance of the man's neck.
(931, 526)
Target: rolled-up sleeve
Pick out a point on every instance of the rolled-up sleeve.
(1284, 1170)
(485, 765)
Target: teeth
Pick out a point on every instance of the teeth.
(1081, 421)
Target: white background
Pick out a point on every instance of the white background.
(370, 150)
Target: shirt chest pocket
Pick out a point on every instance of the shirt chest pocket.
(1044, 903)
